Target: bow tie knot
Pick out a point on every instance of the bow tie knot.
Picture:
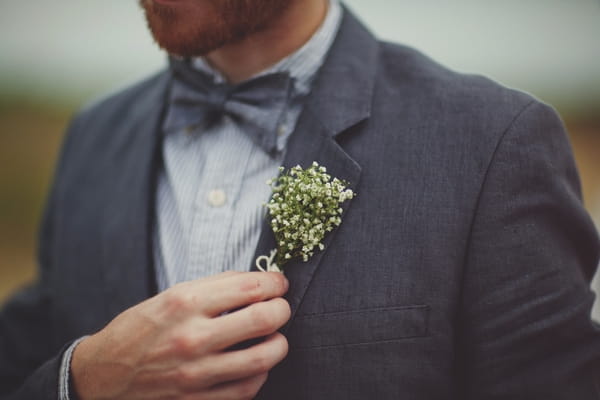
(255, 106)
(218, 96)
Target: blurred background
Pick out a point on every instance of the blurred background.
(57, 56)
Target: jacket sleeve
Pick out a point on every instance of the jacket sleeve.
(526, 331)
(30, 353)
(28, 366)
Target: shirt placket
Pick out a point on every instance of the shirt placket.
(215, 206)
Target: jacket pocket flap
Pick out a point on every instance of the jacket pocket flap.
(358, 327)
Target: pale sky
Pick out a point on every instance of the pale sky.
(84, 48)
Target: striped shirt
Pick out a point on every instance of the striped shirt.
(212, 189)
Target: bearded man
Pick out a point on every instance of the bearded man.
(460, 271)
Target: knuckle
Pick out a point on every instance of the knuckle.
(203, 339)
(261, 363)
(182, 344)
(185, 376)
(175, 301)
(191, 344)
(262, 321)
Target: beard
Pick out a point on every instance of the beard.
(191, 28)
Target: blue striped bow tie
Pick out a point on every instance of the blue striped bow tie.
(256, 106)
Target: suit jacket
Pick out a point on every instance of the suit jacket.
(460, 271)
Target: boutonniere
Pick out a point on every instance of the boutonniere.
(305, 206)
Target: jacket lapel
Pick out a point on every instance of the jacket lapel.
(128, 227)
(341, 99)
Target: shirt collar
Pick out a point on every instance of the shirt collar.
(303, 64)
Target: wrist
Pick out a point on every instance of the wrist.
(79, 375)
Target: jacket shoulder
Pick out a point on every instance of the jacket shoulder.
(411, 74)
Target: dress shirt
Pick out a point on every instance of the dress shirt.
(212, 187)
(210, 196)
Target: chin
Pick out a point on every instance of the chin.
(196, 27)
(180, 33)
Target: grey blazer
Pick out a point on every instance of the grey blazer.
(460, 271)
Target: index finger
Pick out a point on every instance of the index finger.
(238, 290)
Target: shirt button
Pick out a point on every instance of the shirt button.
(216, 198)
(281, 130)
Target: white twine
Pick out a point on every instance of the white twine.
(270, 266)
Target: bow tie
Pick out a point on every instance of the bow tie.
(256, 106)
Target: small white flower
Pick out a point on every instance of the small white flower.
(305, 206)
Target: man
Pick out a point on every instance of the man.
(460, 271)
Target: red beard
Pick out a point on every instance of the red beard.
(190, 28)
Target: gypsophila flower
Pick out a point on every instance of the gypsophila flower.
(304, 206)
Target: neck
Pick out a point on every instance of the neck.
(241, 60)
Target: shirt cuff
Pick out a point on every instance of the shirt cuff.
(65, 371)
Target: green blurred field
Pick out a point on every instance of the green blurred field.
(30, 136)
(29, 140)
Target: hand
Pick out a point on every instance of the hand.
(173, 346)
